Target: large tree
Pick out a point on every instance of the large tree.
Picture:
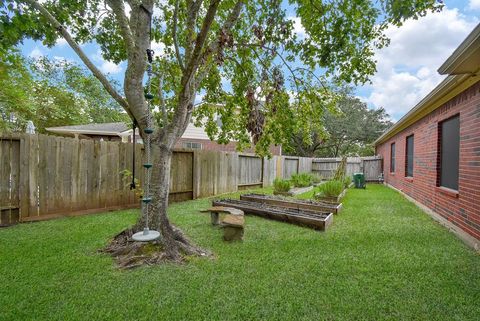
(243, 54)
(51, 93)
(348, 131)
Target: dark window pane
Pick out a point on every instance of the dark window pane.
(409, 157)
(450, 147)
(392, 157)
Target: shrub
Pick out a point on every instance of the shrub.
(302, 180)
(330, 189)
(281, 185)
(316, 178)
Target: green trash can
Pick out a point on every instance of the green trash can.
(359, 180)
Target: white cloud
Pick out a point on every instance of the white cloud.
(61, 42)
(407, 69)
(158, 47)
(297, 26)
(474, 4)
(106, 66)
(36, 53)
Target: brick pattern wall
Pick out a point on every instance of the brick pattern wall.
(461, 208)
(230, 147)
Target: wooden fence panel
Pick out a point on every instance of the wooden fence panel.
(290, 167)
(326, 167)
(9, 181)
(269, 170)
(226, 176)
(204, 173)
(43, 176)
(32, 159)
(305, 165)
(250, 171)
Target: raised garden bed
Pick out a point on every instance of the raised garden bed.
(295, 191)
(332, 200)
(317, 220)
(292, 203)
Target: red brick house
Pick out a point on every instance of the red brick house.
(432, 154)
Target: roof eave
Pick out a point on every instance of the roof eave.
(466, 50)
(445, 91)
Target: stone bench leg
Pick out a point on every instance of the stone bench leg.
(215, 218)
(232, 233)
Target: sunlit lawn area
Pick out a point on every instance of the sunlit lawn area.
(381, 259)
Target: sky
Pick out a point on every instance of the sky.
(406, 70)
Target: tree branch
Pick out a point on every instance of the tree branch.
(229, 23)
(174, 35)
(193, 7)
(73, 44)
(119, 10)
(162, 99)
(201, 38)
(214, 47)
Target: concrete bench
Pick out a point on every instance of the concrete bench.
(232, 221)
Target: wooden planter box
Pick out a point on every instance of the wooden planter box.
(315, 220)
(332, 200)
(308, 205)
(295, 191)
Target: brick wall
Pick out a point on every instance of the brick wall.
(230, 147)
(461, 208)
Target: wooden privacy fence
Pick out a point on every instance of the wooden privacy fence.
(370, 166)
(46, 176)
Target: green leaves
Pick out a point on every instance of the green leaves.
(51, 93)
(349, 130)
(266, 77)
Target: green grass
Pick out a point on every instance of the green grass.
(382, 259)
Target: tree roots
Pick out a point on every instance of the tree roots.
(131, 254)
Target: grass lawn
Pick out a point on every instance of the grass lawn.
(381, 259)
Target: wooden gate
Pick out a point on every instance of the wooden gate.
(9, 181)
(372, 168)
(181, 177)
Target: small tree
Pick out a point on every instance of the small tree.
(276, 77)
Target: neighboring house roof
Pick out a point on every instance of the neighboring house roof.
(463, 68)
(120, 129)
(106, 129)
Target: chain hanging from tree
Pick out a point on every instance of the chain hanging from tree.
(147, 234)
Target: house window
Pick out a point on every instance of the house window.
(392, 158)
(192, 145)
(449, 136)
(409, 157)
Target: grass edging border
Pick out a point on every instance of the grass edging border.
(469, 240)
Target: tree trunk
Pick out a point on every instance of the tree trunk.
(159, 190)
(174, 241)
